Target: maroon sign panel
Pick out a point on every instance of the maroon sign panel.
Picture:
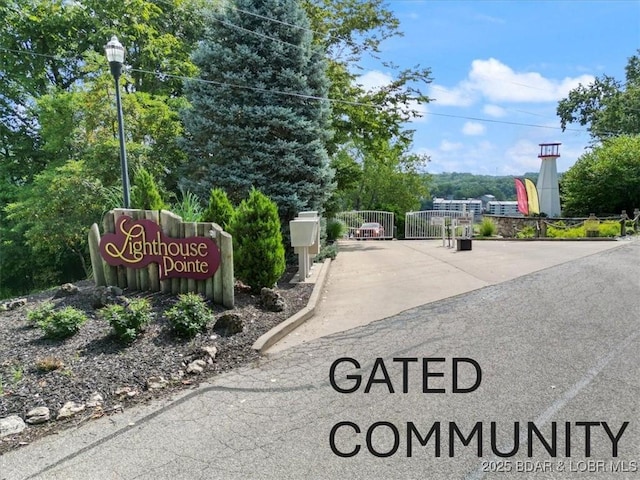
(137, 243)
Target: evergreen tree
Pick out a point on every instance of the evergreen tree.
(258, 251)
(256, 120)
(219, 210)
(145, 194)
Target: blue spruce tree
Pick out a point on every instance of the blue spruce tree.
(258, 117)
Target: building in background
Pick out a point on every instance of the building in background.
(469, 205)
(503, 208)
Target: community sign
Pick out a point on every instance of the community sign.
(137, 243)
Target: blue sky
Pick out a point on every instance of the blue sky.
(505, 61)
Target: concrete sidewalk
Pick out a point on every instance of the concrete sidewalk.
(372, 280)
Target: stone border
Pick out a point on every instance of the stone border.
(281, 330)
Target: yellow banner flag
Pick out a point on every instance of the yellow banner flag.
(532, 197)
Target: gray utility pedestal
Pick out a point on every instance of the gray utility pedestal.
(305, 239)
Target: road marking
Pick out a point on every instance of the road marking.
(560, 403)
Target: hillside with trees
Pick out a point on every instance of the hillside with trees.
(467, 185)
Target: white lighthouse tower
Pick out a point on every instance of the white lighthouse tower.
(548, 190)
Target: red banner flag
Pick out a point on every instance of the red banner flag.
(521, 191)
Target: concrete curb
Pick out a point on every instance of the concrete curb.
(283, 329)
(548, 239)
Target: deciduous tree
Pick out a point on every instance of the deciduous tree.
(604, 180)
(371, 126)
(609, 107)
(54, 214)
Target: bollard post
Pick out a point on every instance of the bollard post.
(623, 223)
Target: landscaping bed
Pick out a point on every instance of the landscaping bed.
(102, 375)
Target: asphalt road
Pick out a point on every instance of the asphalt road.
(558, 348)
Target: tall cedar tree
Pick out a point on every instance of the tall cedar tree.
(253, 121)
(145, 194)
(258, 250)
(220, 209)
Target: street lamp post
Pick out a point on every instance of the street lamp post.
(115, 55)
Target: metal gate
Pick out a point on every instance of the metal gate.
(418, 225)
(361, 224)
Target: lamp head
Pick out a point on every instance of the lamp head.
(115, 51)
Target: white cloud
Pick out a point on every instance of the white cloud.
(496, 82)
(523, 157)
(473, 128)
(499, 83)
(462, 157)
(460, 96)
(374, 80)
(494, 111)
(447, 146)
(490, 19)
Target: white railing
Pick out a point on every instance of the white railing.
(419, 225)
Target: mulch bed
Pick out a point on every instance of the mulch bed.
(94, 360)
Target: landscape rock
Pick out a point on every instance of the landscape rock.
(126, 392)
(95, 400)
(116, 291)
(272, 300)
(12, 305)
(197, 366)
(210, 351)
(242, 287)
(69, 409)
(99, 297)
(11, 425)
(102, 296)
(157, 383)
(38, 415)
(66, 290)
(229, 324)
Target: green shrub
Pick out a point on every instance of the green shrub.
(527, 232)
(220, 210)
(328, 251)
(487, 228)
(189, 315)
(570, 232)
(188, 208)
(40, 314)
(145, 194)
(609, 229)
(335, 229)
(112, 198)
(258, 250)
(128, 321)
(61, 323)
